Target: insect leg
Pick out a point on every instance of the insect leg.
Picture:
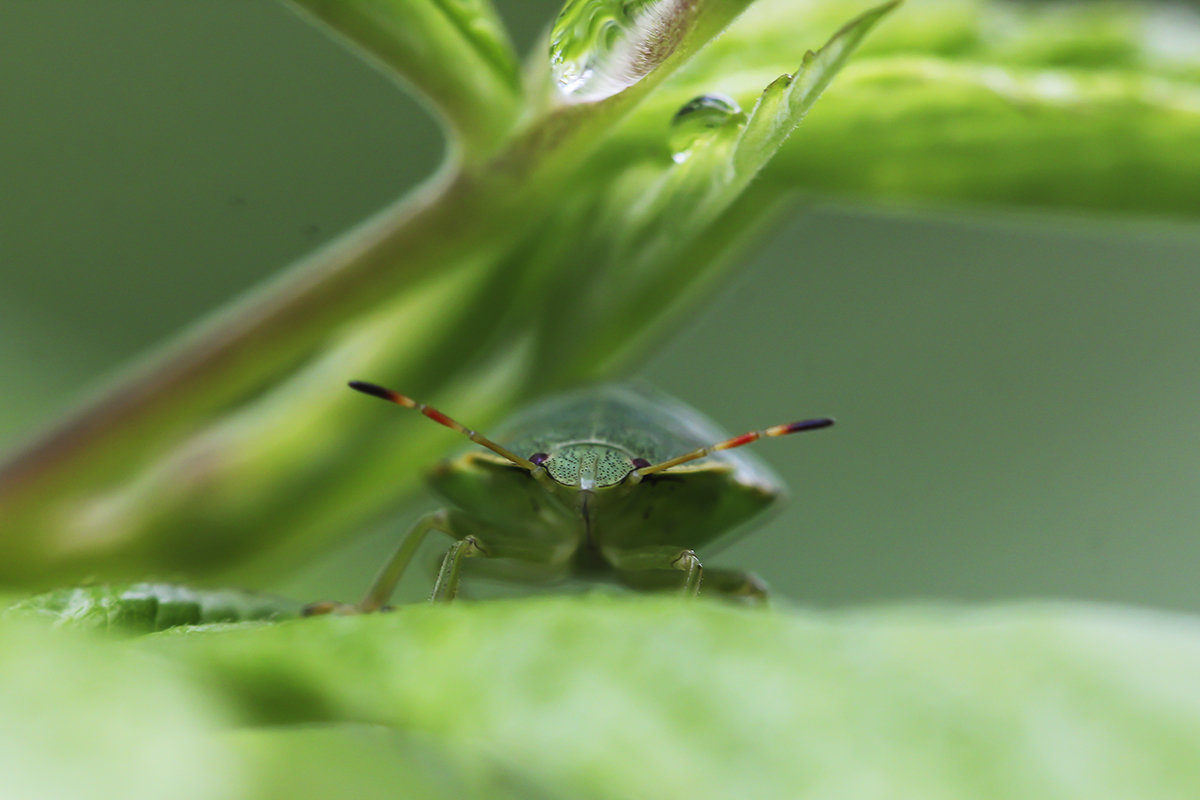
(446, 587)
(693, 570)
(385, 582)
(727, 584)
(660, 558)
(736, 585)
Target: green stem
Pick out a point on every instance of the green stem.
(96, 484)
(455, 54)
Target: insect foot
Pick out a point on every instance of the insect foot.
(755, 588)
(737, 586)
(323, 607)
(689, 562)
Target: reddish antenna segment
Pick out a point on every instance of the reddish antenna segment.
(737, 441)
(437, 416)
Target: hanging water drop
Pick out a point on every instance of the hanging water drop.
(599, 47)
(699, 119)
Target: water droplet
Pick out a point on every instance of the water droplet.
(699, 119)
(599, 47)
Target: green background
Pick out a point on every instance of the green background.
(1016, 393)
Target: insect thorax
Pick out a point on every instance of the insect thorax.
(588, 465)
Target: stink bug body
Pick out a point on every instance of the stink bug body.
(613, 483)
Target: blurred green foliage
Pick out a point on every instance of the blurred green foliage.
(1082, 105)
(600, 697)
(213, 451)
(149, 607)
(1015, 397)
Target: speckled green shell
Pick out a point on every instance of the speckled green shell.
(685, 507)
(642, 422)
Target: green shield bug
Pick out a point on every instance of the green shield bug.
(614, 483)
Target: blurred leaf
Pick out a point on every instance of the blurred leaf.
(599, 697)
(373, 761)
(1024, 138)
(565, 239)
(660, 229)
(594, 697)
(149, 607)
(197, 459)
(1149, 37)
(786, 101)
(84, 718)
(1054, 105)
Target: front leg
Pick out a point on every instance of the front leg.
(728, 584)
(393, 570)
(544, 555)
(454, 524)
(654, 559)
(445, 588)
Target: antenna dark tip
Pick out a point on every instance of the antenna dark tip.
(380, 392)
(437, 416)
(368, 388)
(808, 425)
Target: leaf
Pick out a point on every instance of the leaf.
(660, 232)
(370, 761)
(716, 169)
(786, 101)
(82, 718)
(149, 607)
(1143, 36)
(596, 697)
(947, 132)
(604, 697)
(950, 102)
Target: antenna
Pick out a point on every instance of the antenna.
(437, 416)
(736, 441)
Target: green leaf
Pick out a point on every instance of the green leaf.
(598, 697)
(369, 762)
(717, 167)
(786, 101)
(1069, 139)
(660, 232)
(1054, 105)
(82, 718)
(149, 607)
(603, 697)
(1144, 36)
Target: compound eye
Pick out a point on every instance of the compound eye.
(638, 463)
(537, 459)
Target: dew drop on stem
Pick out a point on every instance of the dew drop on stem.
(700, 119)
(599, 47)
